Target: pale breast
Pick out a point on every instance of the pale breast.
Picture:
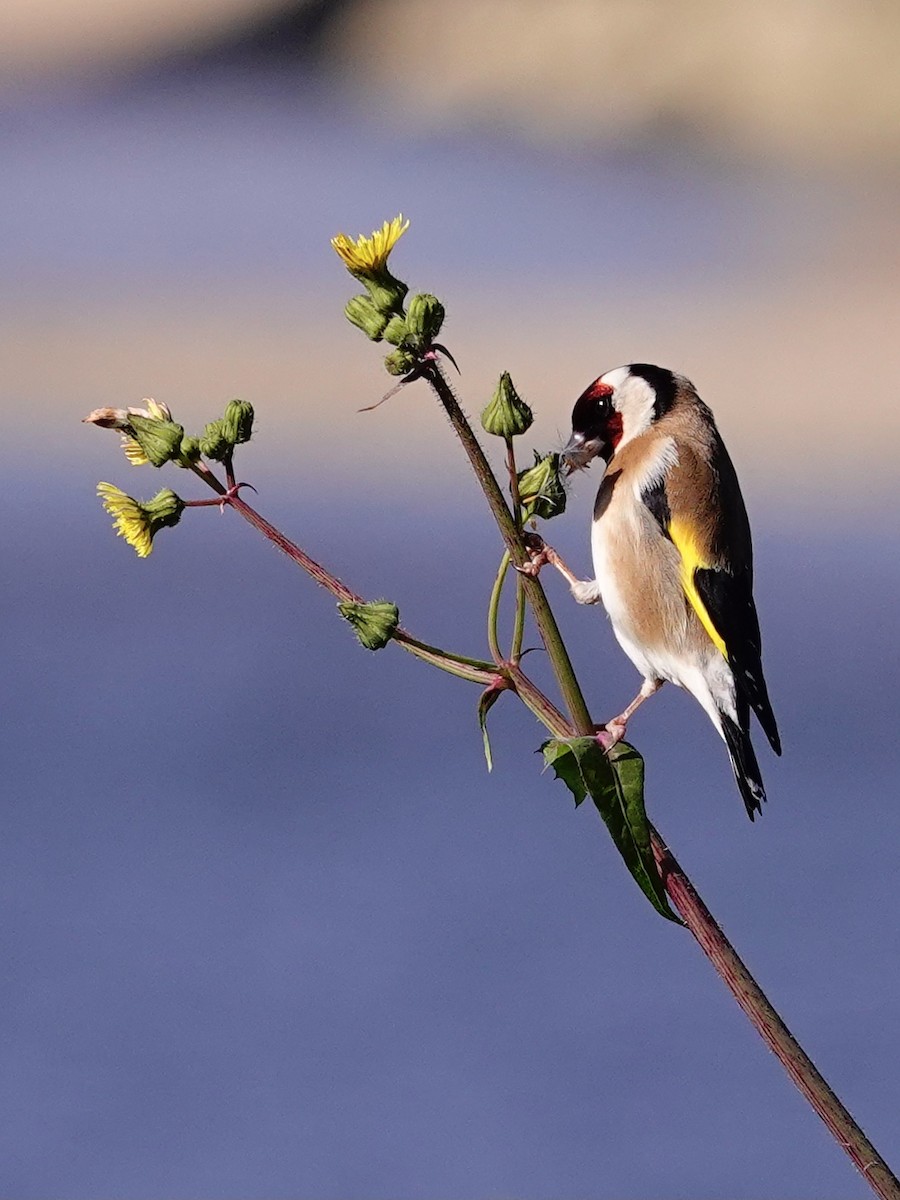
(638, 572)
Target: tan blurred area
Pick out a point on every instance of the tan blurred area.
(71, 37)
(794, 341)
(813, 81)
(807, 81)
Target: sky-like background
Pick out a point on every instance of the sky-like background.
(269, 929)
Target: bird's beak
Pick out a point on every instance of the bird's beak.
(580, 451)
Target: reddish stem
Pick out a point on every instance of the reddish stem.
(769, 1025)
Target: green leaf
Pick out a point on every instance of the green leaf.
(486, 702)
(615, 783)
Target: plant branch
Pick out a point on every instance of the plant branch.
(770, 1026)
(494, 609)
(681, 891)
(543, 614)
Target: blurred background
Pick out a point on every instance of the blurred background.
(269, 929)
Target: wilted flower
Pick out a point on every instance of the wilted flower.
(138, 521)
(120, 418)
(149, 434)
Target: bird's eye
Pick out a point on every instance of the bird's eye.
(603, 407)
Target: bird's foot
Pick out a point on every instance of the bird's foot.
(539, 554)
(611, 733)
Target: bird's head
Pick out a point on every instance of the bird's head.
(617, 407)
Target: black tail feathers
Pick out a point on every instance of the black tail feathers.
(743, 762)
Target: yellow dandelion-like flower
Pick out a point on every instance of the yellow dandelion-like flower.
(132, 521)
(369, 255)
(134, 452)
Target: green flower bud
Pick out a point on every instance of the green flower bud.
(373, 623)
(189, 453)
(237, 424)
(396, 330)
(507, 415)
(214, 443)
(362, 312)
(159, 440)
(164, 510)
(387, 292)
(400, 362)
(424, 318)
(540, 488)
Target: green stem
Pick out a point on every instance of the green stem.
(543, 615)
(494, 609)
(519, 623)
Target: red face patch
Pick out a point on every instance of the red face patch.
(614, 428)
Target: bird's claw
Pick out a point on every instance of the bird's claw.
(539, 554)
(611, 733)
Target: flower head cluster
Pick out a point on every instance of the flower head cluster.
(379, 312)
(138, 521)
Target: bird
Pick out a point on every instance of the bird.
(672, 554)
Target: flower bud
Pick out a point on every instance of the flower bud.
(400, 362)
(540, 488)
(396, 330)
(373, 623)
(213, 442)
(424, 318)
(362, 312)
(190, 452)
(387, 293)
(507, 414)
(237, 424)
(160, 440)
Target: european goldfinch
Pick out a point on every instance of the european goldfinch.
(672, 554)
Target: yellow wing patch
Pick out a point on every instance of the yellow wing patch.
(685, 542)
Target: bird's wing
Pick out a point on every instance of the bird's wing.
(698, 506)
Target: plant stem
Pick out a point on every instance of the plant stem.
(494, 609)
(770, 1026)
(543, 615)
(690, 907)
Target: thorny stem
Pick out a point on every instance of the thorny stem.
(769, 1025)
(681, 891)
(543, 614)
(471, 669)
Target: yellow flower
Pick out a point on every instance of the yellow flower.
(369, 255)
(133, 452)
(138, 522)
(132, 523)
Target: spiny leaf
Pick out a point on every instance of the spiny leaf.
(615, 783)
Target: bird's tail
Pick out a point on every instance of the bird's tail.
(743, 759)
